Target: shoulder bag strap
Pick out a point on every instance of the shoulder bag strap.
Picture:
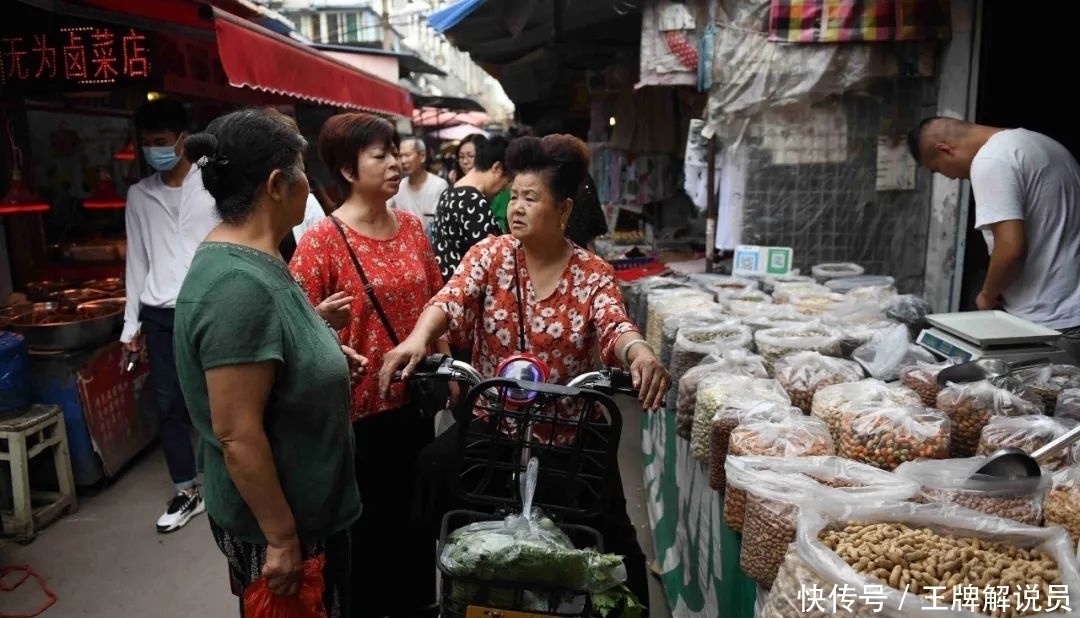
(368, 288)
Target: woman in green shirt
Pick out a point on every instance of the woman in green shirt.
(263, 375)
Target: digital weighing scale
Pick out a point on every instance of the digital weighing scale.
(989, 334)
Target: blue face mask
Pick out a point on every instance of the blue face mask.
(161, 158)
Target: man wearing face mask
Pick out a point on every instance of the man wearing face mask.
(164, 223)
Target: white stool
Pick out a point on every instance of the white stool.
(22, 438)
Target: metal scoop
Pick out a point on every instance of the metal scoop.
(984, 369)
(1014, 463)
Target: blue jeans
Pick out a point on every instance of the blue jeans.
(174, 427)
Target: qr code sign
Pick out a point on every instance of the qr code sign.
(748, 261)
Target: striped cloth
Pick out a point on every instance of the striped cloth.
(847, 21)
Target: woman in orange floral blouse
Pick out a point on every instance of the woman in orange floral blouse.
(570, 300)
(393, 251)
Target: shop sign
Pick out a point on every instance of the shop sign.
(76, 55)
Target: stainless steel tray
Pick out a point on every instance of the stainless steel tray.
(988, 329)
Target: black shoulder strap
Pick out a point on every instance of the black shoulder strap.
(368, 288)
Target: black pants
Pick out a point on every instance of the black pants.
(434, 499)
(175, 424)
(390, 552)
(246, 561)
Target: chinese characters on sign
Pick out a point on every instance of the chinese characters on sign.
(84, 55)
(1025, 599)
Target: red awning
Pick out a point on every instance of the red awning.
(254, 57)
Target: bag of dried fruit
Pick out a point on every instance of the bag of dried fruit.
(886, 437)
(950, 481)
(797, 436)
(904, 560)
(831, 401)
(716, 393)
(803, 373)
(739, 410)
(1027, 433)
(972, 405)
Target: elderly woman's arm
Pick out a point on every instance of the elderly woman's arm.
(238, 396)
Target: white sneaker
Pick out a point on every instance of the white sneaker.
(182, 508)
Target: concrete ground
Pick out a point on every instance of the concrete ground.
(107, 561)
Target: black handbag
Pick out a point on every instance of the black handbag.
(428, 396)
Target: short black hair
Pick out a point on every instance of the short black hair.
(162, 115)
(242, 149)
(914, 138)
(491, 151)
(343, 136)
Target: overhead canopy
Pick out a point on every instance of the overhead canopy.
(453, 104)
(409, 63)
(452, 15)
(431, 117)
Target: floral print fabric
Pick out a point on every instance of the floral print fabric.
(404, 275)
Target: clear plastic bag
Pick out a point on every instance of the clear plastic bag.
(663, 306)
(1062, 505)
(816, 304)
(834, 543)
(804, 373)
(798, 592)
(835, 270)
(1068, 404)
(971, 406)
(887, 437)
(734, 361)
(637, 296)
(746, 302)
(1048, 383)
(876, 293)
(887, 351)
(528, 548)
(785, 292)
(831, 402)
(730, 417)
(909, 310)
(863, 282)
(1027, 433)
(688, 317)
(775, 343)
(768, 284)
(950, 481)
(798, 436)
(723, 392)
(922, 378)
(777, 487)
(774, 316)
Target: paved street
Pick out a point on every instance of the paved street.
(107, 561)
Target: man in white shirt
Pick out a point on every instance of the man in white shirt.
(168, 214)
(1027, 205)
(420, 189)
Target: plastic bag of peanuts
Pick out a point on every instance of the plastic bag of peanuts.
(736, 412)
(776, 343)
(830, 402)
(950, 481)
(1068, 404)
(971, 406)
(803, 373)
(1027, 433)
(734, 361)
(904, 560)
(885, 437)
(798, 436)
(790, 594)
(720, 392)
(922, 378)
(776, 487)
(1048, 382)
(1062, 505)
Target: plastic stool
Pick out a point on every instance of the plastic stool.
(35, 431)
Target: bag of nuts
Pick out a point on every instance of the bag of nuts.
(739, 411)
(798, 436)
(774, 316)
(856, 479)
(908, 560)
(950, 481)
(922, 378)
(783, 293)
(887, 351)
(887, 437)
(718, 393)
(1062, 506)
(725, 362)
(1048, 383)
(909, 310)
(1068, 404)
(693, 315)
(1027, 433)
(972, 405)
(789, 596)
(831, 401)
(776, 343)
(803, 373)
(665, 305)
(769, 284)
(745, 302)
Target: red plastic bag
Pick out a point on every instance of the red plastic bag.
(259, 602)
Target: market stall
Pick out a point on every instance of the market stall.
(800, 400)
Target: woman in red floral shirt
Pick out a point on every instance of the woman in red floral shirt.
(570, 300)
(396, 257)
